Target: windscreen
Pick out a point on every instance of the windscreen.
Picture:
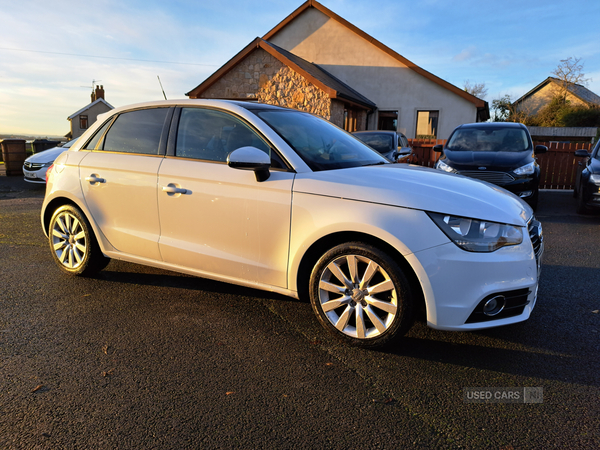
(383, 143)
(321, 145)
(488, 139)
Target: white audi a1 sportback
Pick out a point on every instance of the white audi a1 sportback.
(284, 201)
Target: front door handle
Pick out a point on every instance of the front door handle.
(172, 189)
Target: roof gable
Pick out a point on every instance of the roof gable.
(579, 91)
(314, 4)
(312, 72)
(85, 108)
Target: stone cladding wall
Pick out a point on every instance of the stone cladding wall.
(263, 77)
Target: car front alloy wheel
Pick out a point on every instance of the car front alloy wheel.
(360, 294)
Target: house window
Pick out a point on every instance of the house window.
(83, 122)
(427, 124)
(388, 120)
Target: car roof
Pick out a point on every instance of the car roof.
(198, 102)
(492, 125)
(375, 132)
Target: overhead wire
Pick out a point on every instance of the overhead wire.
(106, 57)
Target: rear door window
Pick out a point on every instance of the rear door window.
(133, 132)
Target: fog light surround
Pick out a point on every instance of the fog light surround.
(494, 306)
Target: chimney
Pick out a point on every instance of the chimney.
(98, 93)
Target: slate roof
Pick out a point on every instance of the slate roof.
(85, 108)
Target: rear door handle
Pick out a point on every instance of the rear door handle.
(171, 189)
(93, 179)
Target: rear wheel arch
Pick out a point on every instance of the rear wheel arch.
(53, 206)
(73, 242)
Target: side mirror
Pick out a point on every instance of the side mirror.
(251, 158)
(582, 153)
(438, 148)
(540, 149)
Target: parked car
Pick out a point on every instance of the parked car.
(587, 183)
(392, 145)
(35, 167)
(280, 200)
(501, 153)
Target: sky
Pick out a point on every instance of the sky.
(52, 52)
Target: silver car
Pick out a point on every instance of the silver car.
(281, 200)
(35, 167)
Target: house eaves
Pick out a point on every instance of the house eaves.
(85, 108)
(482, 105)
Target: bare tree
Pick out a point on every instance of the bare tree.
(569, 71)
(504, 110)
(477, 89)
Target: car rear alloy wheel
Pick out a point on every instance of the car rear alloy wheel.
(360, 295)
(74, 246)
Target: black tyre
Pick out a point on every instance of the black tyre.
(360, 295)
(581, 206)
(73, 244)
(534, 200)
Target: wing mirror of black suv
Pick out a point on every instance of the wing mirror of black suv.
(539, 149)
(582, 153)
(251, 158)
(438, 148)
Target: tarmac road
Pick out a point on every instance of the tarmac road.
(143, 358)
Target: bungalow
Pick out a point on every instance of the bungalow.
(316, 61)
(543, 93)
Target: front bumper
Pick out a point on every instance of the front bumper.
(456, 283)
(591, 195)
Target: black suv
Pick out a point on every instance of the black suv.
(501, 153)
(587, 184)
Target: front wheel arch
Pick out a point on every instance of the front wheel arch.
(320, 247)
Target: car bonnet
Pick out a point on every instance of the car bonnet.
(420, 188)
(488, 159)
(47, 155)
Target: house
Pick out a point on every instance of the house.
(543, 93)
(316, 61)
(86, 116)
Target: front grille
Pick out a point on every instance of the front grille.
(32, 166)
(514, 306)
(537, 237)
(498, 178)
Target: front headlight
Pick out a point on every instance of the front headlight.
(441, 165)
(595, 178)
(477, 235)
(48, 164)
(527, 169)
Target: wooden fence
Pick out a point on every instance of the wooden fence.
(558, 166)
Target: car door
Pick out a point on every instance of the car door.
(118, 180)
(216, 219)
